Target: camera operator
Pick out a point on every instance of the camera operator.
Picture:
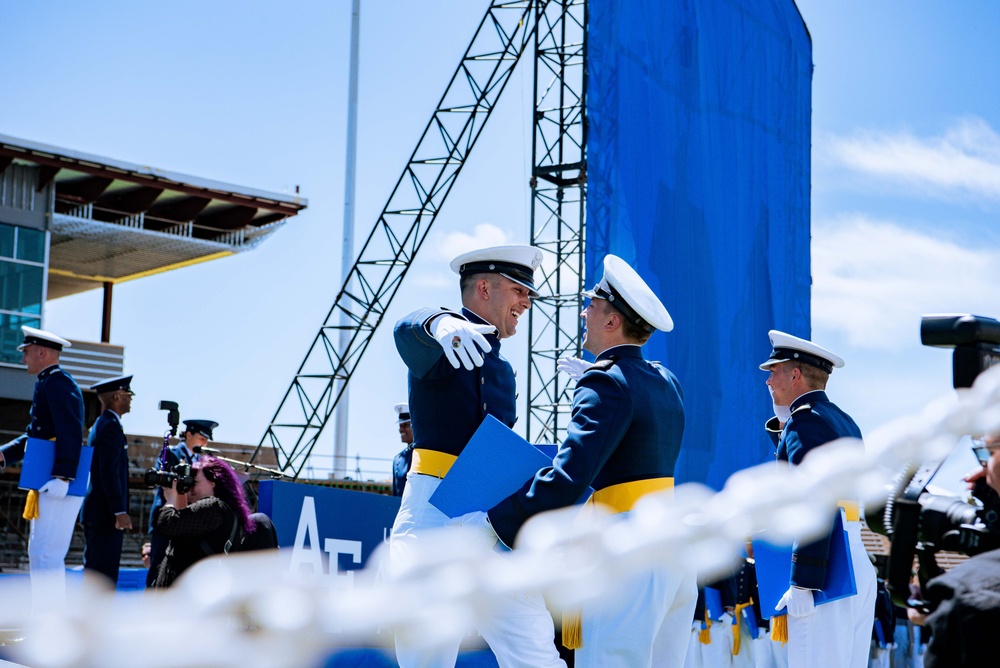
(209, 519)
(966, 600)
(197, 434)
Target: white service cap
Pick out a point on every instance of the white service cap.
(518, 263)
(39, 337)
(626, 291)
(787, 348)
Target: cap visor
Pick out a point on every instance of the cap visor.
(769, 363)
(531, 289)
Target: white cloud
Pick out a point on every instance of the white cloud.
(964, 161)
(872, 280)
(441, 248)
(453, 244)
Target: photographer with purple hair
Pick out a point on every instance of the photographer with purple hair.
(209, 519)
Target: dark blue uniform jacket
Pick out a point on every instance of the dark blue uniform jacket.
(108, 494)
(815, 421)
(447, 405)
(56, 413)
(400, 467)
(626, 425)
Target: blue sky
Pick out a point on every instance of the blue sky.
(905, 191)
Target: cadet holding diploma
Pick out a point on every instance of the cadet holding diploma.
(456, 378)
(56, 415)
(838, 633)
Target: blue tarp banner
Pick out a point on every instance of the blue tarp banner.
(698, 175)
(322, 523)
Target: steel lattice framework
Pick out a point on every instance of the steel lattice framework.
(558, 213)
(385, 257)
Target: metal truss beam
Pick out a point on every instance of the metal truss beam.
(558, 213)
(402, 227)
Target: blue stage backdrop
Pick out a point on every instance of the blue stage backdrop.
(321, 523)
(698, 175)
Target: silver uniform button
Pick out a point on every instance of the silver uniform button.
(484, 405)
(482, 381)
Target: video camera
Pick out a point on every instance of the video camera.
(918, 523)
(156, 476)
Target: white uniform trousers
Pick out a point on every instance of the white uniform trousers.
(48, 544)
(695, 654)
(718, 653)
(768, 653)
(838, 634)
(647, 623)
(519, 629)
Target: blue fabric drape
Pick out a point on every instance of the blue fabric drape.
(698, 175)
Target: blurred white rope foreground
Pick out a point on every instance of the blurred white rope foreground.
(250, 610)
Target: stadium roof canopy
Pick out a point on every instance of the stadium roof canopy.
(112, 221)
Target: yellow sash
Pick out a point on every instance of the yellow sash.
(431, 462)
(623, 496)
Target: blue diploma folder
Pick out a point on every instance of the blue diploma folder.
(713, 603)
(40, 456)
(774, 571)
(495, 463)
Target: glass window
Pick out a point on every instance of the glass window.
(21, 287)
(22, 283)
(6, 240)
(11, 337)
(30, 245)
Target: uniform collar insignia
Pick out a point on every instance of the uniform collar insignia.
(48, 371)
(808, 399)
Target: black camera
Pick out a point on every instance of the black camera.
(918, 523)
(181, 473)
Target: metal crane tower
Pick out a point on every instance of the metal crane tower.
(507, 28)
(558, 211)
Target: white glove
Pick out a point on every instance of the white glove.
(574, 367)
(799, 602)
(55, 488)
(477, 525)
(459, 339)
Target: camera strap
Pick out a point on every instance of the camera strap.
(207, 549)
